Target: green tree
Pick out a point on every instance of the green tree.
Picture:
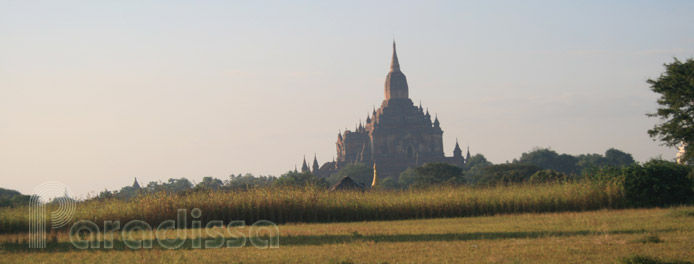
(474, 168)
(359, 173)
(590, 163)
(477, 160)
(127, 192)
(676, 89)
(547, 176)
(437, 173)
(389, 183)
(12, 198)
(508, 173)
(658, 183)
(618, 158)
(407, 178)
(247, 181)
(292, 178)
(549, 159)
(177, 185)
(209, 183)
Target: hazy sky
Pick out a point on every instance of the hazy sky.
(95, 93)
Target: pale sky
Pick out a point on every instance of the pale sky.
(95, 93)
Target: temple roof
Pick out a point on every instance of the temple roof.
(396, 82)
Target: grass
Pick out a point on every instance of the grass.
(648, 239)
(637, 259)
(681, 212)
(306, 205)
(602, 236)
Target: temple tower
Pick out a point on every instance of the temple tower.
(396, 82)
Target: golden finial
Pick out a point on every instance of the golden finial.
(373, 184)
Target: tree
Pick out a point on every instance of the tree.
(13, 198)
(437, 173)
(618, 158)
(549, 159)
(247, 181)
(209, 183)
(407, 178)
(359, 173)
(508, 173)
(389, 183)
(292, 178)
(657, 183)
(547, 176)
(474, 168)
(676, 89)
(590, 163)
(177, 185)
(477, 160)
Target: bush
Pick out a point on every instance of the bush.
(547, 176)
(298, 179)
(437, 173)
(657, 183)
(606, 174)
(648, 239)
(360, 173)
(507, 173)
(636, 259)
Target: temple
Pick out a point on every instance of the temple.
(396, 136)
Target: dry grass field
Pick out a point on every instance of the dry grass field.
(310, 205)
(603, 236)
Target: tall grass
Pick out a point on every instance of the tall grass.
(285, 205)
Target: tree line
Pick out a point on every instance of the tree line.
(538, 165)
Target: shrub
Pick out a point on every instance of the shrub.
(606, 174)
(547, 176)
(636, 259)
(681, 212)
(437, 173)
(298, 179)
(648, 239)
(657, 183)
(507, 173)
(360, 173)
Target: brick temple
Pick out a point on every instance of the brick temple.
(396, 136)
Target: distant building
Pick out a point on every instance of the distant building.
(136, 185)
(680, 154)
(304, 167)
(398, 135)
(346, 184)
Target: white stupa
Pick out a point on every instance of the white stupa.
(680, 154)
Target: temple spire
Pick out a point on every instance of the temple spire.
(457, 152)
(467, 157)
(304, 166)
(315, 166)
(394, 64)
(396, 82)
